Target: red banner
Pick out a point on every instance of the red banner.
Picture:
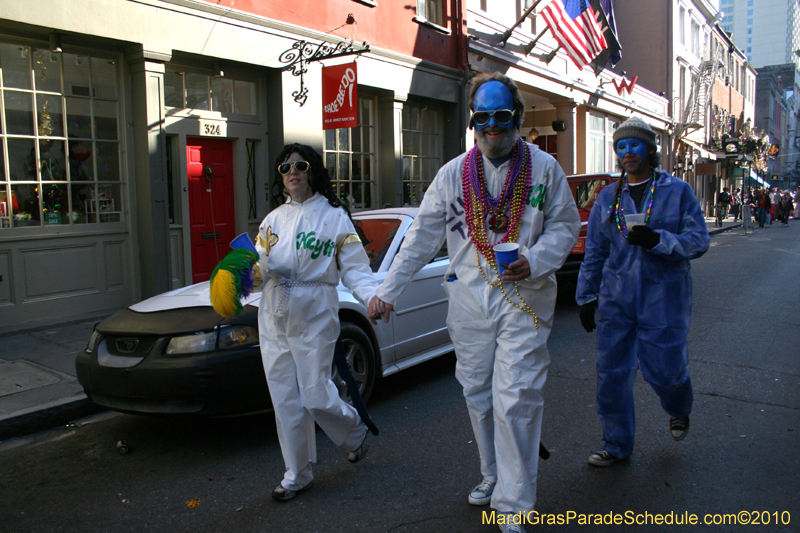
(340, 96)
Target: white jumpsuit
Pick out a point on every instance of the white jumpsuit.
(502, 359)
(305, 248)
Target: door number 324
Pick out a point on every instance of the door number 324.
(212, 129)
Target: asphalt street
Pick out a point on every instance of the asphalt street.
(741, 453)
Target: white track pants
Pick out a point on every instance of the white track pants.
(297, 351)
(502, 365)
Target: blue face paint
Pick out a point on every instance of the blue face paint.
(631, 146)
(493, 96)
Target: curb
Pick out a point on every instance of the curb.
(717, 231)
(47, 418)
(43, 325)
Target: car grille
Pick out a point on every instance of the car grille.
(130, 346)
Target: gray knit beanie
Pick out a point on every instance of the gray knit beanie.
(636, 128)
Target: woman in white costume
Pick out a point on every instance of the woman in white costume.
(306, 246)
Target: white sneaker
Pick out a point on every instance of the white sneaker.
(482, 493)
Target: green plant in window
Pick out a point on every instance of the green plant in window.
(52, 199)
(45, 121)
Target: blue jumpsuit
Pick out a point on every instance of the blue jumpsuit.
(644, 304)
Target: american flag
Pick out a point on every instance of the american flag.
(575, 28)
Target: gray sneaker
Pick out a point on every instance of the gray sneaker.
(360, 452)
(603, 458)
(679, 427)
(282, 494)
(482, 493)
(511, 527)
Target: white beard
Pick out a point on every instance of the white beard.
(497, 148)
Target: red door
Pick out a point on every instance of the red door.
(210, 168)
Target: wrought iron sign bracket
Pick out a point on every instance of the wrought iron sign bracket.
(302, 53)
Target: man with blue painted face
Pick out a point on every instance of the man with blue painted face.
(638, 279)
(502, 191)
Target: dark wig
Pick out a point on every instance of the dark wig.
(318, 177)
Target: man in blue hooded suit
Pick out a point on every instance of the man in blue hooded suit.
(638, 278)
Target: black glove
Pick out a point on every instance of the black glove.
(587, 316)
(643, 236)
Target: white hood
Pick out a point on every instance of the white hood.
(197, 295)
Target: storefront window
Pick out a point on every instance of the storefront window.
(596, 161)
(197, 90)
(59, 138)
(350, 157)
(601, 157)
(611, 154)
(422, 149)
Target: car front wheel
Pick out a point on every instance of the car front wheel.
(361, 360)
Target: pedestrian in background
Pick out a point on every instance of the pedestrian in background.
(763, 204)
(723, 203)
(786, 206)
(638, 280)
(775, 199)
(796, 214)
(736, 204)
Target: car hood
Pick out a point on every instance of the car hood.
(185, 310)
(197, 295)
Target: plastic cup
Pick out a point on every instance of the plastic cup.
(505, 253)
(635, 219)
(243, 241)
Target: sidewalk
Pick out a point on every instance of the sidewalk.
(38, 387)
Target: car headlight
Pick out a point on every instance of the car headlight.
(195, 343)
(93, 340)
(237, 337)
(229, 339)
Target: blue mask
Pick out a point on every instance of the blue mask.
(631, 146)
(490, 97)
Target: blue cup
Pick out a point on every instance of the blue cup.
(243, 241)
(505, 253)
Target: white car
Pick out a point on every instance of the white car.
(173, 354)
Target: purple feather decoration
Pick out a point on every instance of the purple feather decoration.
(247, 282)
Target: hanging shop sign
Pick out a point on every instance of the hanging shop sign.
(340, 96)
(705, 169)
(302, 53)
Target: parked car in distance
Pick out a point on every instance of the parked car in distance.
(585, 188)
(173, 354)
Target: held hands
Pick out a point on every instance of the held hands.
(643, 236)
(587, 316)
(379, 309)
(516, 271)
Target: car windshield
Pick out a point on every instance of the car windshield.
(585, 191)
(376, 235)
